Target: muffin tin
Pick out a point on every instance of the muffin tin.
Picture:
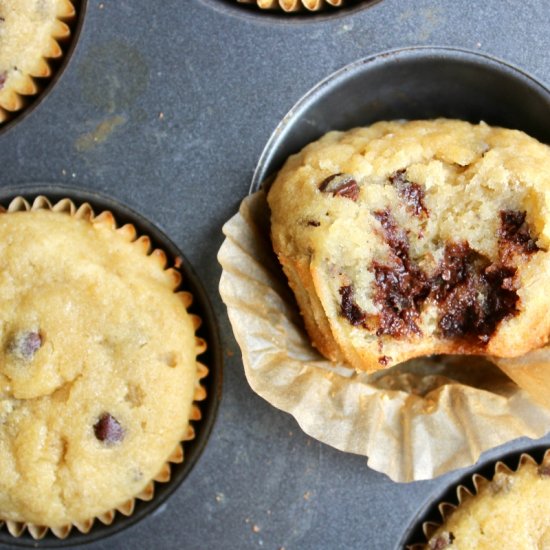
(197, 97)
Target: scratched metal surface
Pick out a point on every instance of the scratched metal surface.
(222, 82)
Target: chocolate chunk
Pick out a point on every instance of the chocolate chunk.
(349, 309)
(108, 430)
(514, 235)
(25, 344)
(442, 541)
(544, 470)
(340, 185)
(401, 286)
(474, 295)
(394, 235)
(453, 269)
(313, 223)
(399, 292)
(411, 193)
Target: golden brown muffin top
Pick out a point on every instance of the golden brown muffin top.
(97, 367)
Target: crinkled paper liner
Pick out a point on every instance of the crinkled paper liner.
(414, 421)
(463, 495)
(12, 100)
(530, 372)
(295, 5)
(128, 231)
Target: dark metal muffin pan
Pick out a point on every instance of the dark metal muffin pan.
(166, 108)
(412, 83)
(211, 358)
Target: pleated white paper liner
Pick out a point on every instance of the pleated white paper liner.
(415, 421)
(85, 211)
(530, 372)
(495, 481)
(289, 6)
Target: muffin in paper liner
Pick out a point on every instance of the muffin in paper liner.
(295, 5)
(30, 38)
(127, 233)
(507, 510)
(414, 421)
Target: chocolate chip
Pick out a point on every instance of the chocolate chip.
(25, 344)
(444, 540)
(411, 193)
(474, 294)
(108, 429)
(401, 286)
(313, 223)
(384, 360)
(340, 185)
(3, 78)
(515, 235)
(394, 235)
(349, 309)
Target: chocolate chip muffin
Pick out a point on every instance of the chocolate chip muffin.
(30, 31)
(509, 512)
(98, 366)
(406, 239)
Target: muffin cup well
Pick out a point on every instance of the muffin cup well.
(412, 83)
(425, 417)
(32, 90)
(181, 460)
(496, 473)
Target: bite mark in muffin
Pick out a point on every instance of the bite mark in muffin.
(423, 258)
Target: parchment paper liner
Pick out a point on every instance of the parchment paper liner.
(463, 494)
(12, 100)
(414, 421)
(128, 231)
(530, 372)
(289, 6)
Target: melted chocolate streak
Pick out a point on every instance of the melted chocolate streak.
(411, 193)
(473, 294)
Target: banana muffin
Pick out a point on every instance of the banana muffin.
(97, 366)
(29, 35)
(406, 239)
(509, 512)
